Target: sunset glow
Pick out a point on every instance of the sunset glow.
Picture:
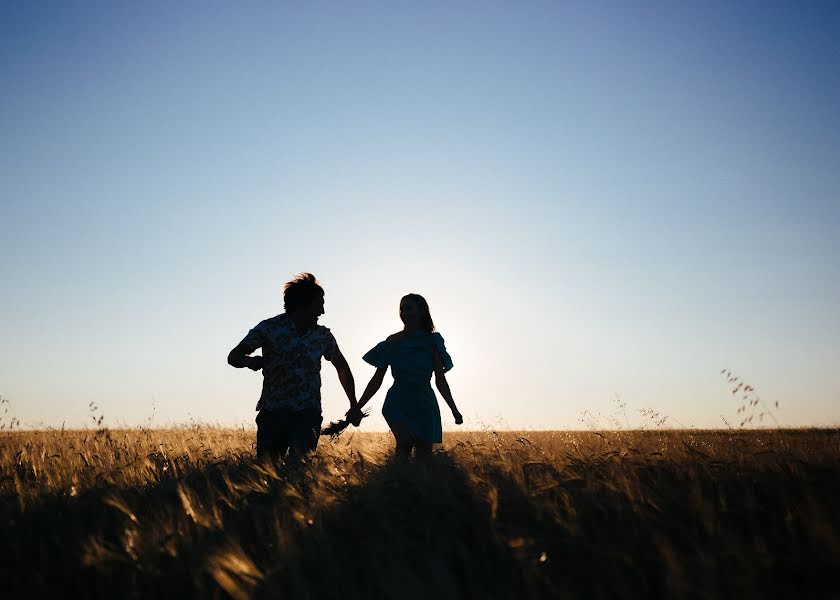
(596, 200)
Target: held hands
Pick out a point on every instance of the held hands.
(354, 415)
(459, 419)
(255, 363)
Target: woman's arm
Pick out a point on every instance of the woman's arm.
(443, 387)
(372, 387)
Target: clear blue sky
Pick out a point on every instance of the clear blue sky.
(595, 198)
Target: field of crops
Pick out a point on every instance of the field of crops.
(621, 514)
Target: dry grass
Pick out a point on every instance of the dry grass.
(189, 512)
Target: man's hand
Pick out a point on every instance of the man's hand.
(255, 363)
(354, 415)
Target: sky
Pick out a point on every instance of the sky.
(600, 201)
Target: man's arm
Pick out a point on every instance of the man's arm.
(345, 376)
(239, 358)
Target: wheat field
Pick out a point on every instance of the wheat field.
(189, 512)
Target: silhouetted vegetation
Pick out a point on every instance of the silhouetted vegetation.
(622, 514)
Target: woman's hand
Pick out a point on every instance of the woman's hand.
(458, 417)
(354, 415)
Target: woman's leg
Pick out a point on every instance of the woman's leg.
(405, 441)
(422, 449)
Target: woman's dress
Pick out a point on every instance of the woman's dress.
(410, 400)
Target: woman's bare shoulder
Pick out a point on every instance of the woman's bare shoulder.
(395, 336)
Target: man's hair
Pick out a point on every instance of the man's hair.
(301, 291)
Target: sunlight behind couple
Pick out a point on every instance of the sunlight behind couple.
(592, 202)
(370, 314)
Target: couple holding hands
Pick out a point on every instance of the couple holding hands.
(289, 417)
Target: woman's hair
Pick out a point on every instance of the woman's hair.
(301, 291)
(426, 322)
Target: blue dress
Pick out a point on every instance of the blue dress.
(411, 399)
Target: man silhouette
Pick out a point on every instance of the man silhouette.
(289, 417)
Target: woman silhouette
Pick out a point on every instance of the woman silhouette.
(411, 407)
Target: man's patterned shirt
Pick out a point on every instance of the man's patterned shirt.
(292, 363)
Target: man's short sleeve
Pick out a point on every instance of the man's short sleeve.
(331, 351)
(253, 340)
